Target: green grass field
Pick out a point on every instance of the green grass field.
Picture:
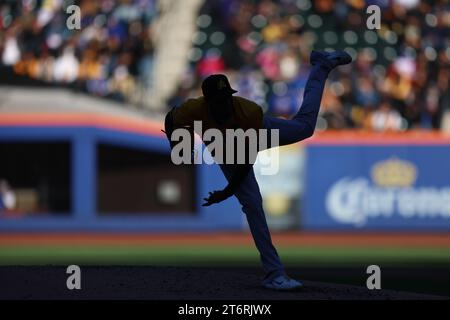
(217, 255)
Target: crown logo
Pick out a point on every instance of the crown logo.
(394, 173)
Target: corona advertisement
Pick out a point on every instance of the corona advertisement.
(381, 187)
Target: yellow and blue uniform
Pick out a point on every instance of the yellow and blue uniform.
(248, 115)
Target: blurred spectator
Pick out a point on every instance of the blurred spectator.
(11, 52)
(211, 63)
(66, 66)
(386, 119)
(365, 93)
(7, 197)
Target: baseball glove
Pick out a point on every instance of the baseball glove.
(169, 127)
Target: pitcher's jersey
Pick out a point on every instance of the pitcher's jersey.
(246, 115)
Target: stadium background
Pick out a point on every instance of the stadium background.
(86, 176)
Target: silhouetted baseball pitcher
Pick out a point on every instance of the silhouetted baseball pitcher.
(219, 109)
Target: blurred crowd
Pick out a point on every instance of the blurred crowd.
(400, 78)
(110, 56)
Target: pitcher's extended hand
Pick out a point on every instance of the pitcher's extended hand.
(216, 197)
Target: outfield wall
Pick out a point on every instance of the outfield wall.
(333, 181)
(369, 181)
(84, 132)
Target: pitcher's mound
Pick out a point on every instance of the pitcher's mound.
(172, 283)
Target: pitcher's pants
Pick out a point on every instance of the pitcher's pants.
(300, 127)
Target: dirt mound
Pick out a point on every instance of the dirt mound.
(169, 283)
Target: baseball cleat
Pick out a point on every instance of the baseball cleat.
(330, 59)
(283, 283)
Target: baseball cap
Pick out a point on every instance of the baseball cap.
(216, 86)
